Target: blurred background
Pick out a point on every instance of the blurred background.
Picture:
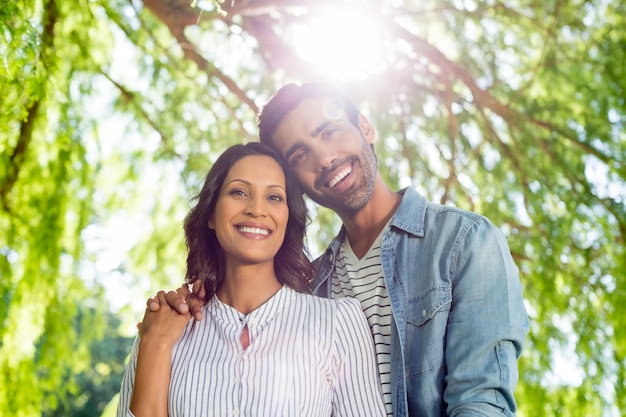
(112, 111)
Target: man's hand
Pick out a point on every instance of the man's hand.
(182, 301)
(164, 325)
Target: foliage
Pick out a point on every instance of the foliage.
(112, 111)
(95, 386)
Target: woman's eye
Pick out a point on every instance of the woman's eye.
(276, 197)
(237, 192)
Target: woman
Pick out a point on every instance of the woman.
(266, 348)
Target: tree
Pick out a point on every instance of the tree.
(511, 109)
(94, 387)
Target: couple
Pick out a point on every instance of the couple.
(437, 286)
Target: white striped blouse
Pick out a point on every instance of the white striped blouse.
(308, 356)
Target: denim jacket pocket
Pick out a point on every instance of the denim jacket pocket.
(424, 307)
(426, 321)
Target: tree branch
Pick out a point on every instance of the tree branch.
(49, 20)
(178, 14)
(129, 96)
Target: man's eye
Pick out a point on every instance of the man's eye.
(298, 157)
(330, 131)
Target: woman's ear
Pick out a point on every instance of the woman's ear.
(211, 224)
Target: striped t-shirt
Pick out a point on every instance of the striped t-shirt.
(363, 279)
(308, 356)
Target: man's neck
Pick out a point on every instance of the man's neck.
(364, 227)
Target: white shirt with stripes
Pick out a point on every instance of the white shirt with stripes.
(363, 279)
(308, 356)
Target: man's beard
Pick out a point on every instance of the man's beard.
(360, 192)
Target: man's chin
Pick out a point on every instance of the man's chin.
(324, 201)
(342, 206)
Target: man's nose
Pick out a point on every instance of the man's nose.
(323, 158)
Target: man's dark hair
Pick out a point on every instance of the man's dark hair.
(205, 259)
(291, 95)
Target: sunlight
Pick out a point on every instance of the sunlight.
(341, 44)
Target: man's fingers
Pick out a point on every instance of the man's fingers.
(161, 297)
(177, 301)
(153, 303)
(198, 290)
(195, 307)
(197, 300)
(180, 300)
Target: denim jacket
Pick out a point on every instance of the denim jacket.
(459, 319)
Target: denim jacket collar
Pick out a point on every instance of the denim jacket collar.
(409, 217)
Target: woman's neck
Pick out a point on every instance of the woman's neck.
(246, 287)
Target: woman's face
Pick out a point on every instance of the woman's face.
(251, 213)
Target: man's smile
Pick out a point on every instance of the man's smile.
(340, 175)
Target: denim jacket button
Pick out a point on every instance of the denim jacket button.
(424, 313)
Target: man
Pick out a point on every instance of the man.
(438, 284)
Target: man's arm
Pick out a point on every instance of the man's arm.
(486, 327)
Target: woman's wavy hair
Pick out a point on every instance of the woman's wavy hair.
(205, 259)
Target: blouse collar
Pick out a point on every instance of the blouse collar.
(258, 317)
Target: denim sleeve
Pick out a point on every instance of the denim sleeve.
(486, 326)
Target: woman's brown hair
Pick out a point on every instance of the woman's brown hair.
(205, 259)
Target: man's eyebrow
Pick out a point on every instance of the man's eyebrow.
(291, 150)
(313, 134)
(318, 129)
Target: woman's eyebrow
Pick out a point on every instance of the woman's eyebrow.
(249, 183)
(239, 180)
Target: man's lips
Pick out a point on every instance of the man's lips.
(340, 175)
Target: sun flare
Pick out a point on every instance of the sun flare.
(341, 44)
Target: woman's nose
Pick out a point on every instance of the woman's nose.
(256, 207)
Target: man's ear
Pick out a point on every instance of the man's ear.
(367, 130)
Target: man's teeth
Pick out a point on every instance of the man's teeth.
(341, 175)
(255, 230)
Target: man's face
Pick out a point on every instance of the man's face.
(331, 157)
